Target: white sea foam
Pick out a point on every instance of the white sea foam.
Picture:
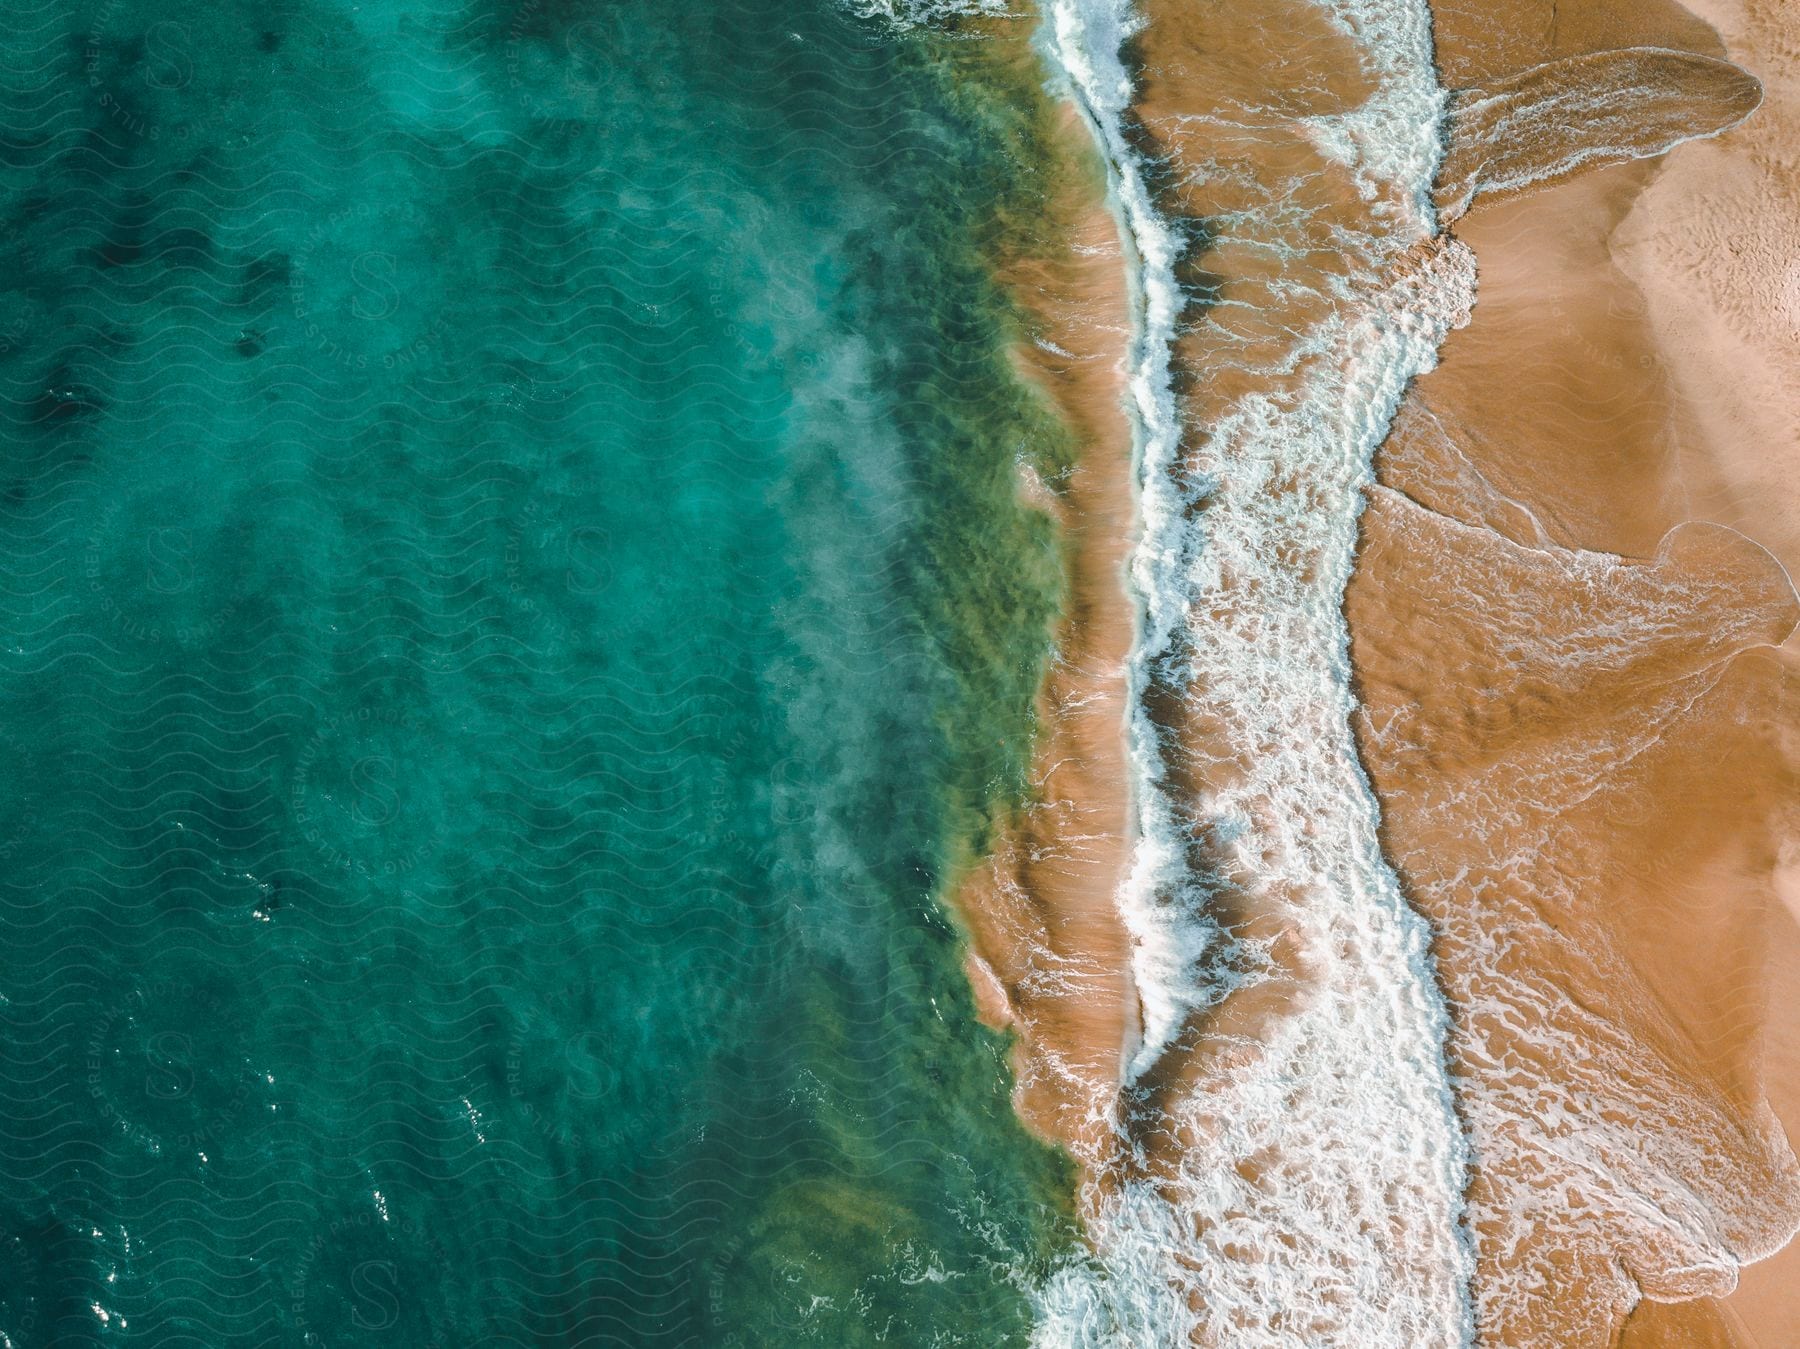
(1162, 906)
(905, 14)
(1320, 1200)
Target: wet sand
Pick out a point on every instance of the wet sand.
(1049, 955)
(1573, 710)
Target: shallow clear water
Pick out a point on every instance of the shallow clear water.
(513, 599)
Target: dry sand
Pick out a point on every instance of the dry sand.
(1714, 246)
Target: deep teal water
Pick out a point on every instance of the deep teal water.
(513, 599)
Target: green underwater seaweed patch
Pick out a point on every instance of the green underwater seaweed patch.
(996, 571)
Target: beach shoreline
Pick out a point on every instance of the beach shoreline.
(1049, 957)
(1257, 897)
(1608, 690)
(1588, 756)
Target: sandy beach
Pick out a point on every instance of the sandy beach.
(1586, 775)
(1714, 245)
(1570, 624)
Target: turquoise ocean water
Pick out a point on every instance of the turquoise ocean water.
(514, 601)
